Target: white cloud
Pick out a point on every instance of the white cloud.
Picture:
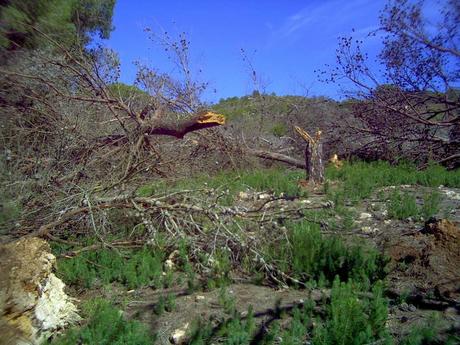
(326, 16)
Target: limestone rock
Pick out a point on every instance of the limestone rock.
(33, 304)
(178, 336)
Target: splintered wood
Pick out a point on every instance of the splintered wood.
(313, 156)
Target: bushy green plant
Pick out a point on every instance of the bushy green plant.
(402, 206)
(310, 255)
(298, 329)
(360, 179)
(233, 331)
(279, 130)
(141, 268)
(428, 333)
(105, 325)
(431, 205)
(221, 266)
(352, 320)
(226, 300)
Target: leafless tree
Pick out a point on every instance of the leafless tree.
(410, 109)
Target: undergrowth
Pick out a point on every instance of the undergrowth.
(133, 268)
(349, 319)
(105, 326)
(360, 179)
(311, 256)
(404, 205)
(275, 180)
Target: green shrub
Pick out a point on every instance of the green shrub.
(142, 267)
(221, 267)
(226, 301)
(297, 331)
(309, 255)
(428, 333)
(279, 130)
(431, 205)
(360, 179)
(105, 325)
(402, 206)
(352, 320)
(233, 331)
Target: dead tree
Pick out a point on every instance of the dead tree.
(314, 161)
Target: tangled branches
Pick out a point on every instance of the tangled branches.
(199, 216)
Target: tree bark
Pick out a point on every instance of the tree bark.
(277, 157)
(175, 129)
(314, 161)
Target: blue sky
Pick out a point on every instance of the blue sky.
(285, 40)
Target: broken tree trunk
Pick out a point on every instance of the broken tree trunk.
(314, 161)
(172, 128)
(180, 129)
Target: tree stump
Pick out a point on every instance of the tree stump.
(314, 161)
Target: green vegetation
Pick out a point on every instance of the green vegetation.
(276, 180)
(165, 304)
(316, 257)
(403, 206)
(63, 20)
(351, 319)
(279, 130)
(235, 330)
(226, 301)
(105, 325)
(360, 179)
(427, 333)
(431, 205)
(141, 268)
(221, 267)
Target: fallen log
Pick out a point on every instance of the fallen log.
(277, 157)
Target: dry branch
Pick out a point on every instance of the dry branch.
(277, 157)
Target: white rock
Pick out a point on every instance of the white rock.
(199, 298)
(169, 264)
(264, 196)
(54, 309)
(451, 194)
(365, 215)
(243, 195)
(178, 335)
(368, 230)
